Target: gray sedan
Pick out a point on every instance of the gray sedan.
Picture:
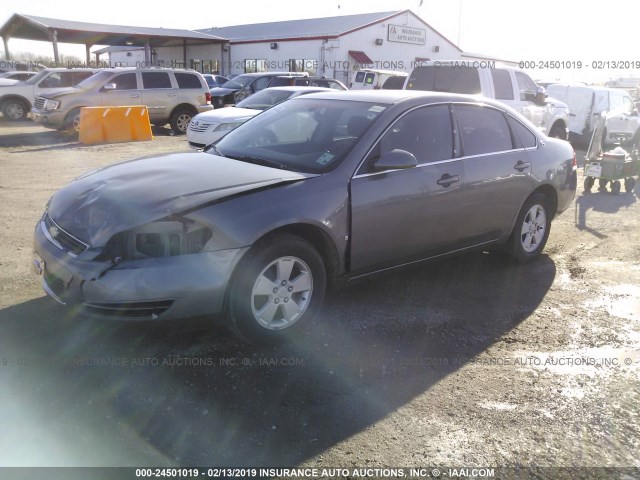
(322, 188)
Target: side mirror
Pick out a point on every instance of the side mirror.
(541, 95)
(396, 159)
(109, 86)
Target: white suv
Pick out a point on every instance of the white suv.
(16, 99)
(508, 85)
(172, 96)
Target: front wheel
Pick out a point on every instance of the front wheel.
(72, 122)
(531, 230)
(277, 290)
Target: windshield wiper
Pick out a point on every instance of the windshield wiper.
(258, 161)
(215, 149)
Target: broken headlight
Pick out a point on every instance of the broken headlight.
(166, 238)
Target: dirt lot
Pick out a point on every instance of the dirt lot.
(471, 361)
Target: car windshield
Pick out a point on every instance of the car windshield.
(94, 80)
(240, 81)
(305, 134)
(264, 99)
(36, 78)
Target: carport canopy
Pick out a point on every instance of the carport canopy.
(30, 27)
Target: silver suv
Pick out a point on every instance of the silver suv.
(172, 96)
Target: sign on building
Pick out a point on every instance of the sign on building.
(405, 34)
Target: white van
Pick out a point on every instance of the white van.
(587, 103)
(377, 79)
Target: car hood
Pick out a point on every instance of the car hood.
(100, 204)
(556, 103)
(221, 92)
(8, 81)
(60, 92)
(224, 114)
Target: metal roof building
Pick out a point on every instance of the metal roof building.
(31, 27)
(334, 46)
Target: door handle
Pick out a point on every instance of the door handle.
(171, 94)
(521, 166)
(134, 96)
(447, 180)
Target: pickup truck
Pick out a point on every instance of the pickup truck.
(508, 85)
(17, 99)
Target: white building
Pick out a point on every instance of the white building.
(333, 46)
(121, 56)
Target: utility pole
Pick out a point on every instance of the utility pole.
(459, 20)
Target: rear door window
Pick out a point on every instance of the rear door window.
(155, 80)
(502, 84)
(483, 130)
(524, 137)
(445, 78)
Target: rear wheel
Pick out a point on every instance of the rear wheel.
(15, 109)
(629, 184)
(277, 290)
(531, 230)
(180, 120)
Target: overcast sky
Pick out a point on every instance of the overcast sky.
(565, 30)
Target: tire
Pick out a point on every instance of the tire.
(531, 230)
(629, 184)
(72, 122)
(588, 184)
(15, 110)
(558, 132)
(615, 187)
(180, 120)
(277, 290)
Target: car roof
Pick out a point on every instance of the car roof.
(298, 88)
(394, 96)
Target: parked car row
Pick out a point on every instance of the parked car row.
(172, 96)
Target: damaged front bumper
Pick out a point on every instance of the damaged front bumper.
(167, 288)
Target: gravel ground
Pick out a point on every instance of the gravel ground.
(470, 361)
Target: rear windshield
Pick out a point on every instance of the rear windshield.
(445, 78)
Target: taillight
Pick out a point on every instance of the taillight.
(574, 164)
(207, 98)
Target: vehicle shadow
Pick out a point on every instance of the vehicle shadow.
(136, 395)
(603, 202)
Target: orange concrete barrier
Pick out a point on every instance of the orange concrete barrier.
(114, 124)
